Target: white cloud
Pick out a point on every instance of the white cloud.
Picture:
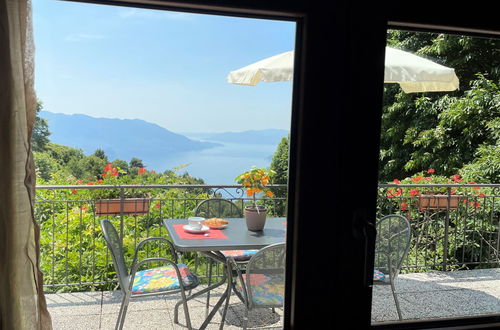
(75, 37)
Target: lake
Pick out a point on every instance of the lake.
(218, 165)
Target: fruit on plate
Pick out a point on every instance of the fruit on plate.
(215, 222)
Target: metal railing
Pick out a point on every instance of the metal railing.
(74, 255)
(454, 227)
(458, 228)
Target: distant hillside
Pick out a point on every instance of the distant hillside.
(266, 136)
(119, 138)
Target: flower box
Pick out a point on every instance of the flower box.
(438, 202)
(131, 206)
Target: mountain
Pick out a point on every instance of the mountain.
(265, 136)
(119, 138)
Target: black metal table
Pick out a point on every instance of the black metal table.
(238, 238)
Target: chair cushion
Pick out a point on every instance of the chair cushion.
(163, 279)
(239, 255)
(378, 275)
(267, 289)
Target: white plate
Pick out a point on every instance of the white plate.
(192, 230)
(217, 227)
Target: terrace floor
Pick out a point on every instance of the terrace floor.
(421, 295)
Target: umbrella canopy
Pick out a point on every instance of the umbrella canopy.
(413, 73)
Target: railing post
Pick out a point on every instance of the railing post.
(446, 228)
(122, 201)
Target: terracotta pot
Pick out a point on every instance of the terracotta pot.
(255, 220)
(438, 202)
(131, 206)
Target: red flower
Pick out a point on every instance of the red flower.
(84, 207)
(74, 191)
(104, 174)
(100, 181)
(428, 178)
(158, 205)
(414, 192)
(417, 179)
(153, 171)
(431, 170)
(456, 178)
(90, 183)
(404, 206)
(108, 167)
(79, 181)
(141, 170)
(396, 181)
(482, 195)
(114, 173)
(476, 205)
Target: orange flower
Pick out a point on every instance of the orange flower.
(141, 170)
(269, 193)
(417, 179)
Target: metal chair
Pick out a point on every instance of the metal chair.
(263, 283)
(221, 208)
(144, 283)
(391, 247)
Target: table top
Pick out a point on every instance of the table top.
(238, 236)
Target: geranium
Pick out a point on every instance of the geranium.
(256, 181)
(141, 170)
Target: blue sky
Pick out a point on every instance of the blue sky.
(163, 67)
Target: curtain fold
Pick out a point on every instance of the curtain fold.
(22, 303)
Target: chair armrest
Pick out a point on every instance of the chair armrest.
(151, 239)
(150, 260)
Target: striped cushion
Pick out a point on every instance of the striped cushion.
(239, 255)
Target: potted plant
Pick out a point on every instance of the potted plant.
(111, 202)
(427, 194)
(256, 181)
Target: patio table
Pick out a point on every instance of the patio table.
(235, 236)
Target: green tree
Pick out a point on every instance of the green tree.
(425, 130)
(99, 153)
(40, 136)
(279, 163)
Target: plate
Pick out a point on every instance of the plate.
(217, 227)
(192, 230)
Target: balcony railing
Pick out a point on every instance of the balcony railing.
(455, 230)
(74, 256)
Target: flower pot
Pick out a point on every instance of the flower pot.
(438, 202)
(255, 220)
(131, 206)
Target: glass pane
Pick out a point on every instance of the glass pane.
(439, 179)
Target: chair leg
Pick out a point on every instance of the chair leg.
(123, 311)
(186, 310)
(209, 283)
(396, 300)
(245, 319)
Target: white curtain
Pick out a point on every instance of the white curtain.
(22, 303)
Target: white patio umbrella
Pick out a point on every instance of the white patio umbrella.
(413, 73)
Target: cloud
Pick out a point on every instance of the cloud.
(155, 14)
(75, 37)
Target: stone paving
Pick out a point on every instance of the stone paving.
(421, 295)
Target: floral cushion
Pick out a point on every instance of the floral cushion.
(378, 275)
(239, 255)
(163, 279)
(265, 289)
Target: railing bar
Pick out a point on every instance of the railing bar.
(67, 238)
(80, 250)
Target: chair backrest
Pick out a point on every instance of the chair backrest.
(392, 244)
(265, 272)
(115, 247)
(217, 208)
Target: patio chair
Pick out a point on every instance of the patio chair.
(143, 283)
(263, 283)
(221, 208)
(391, 247)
